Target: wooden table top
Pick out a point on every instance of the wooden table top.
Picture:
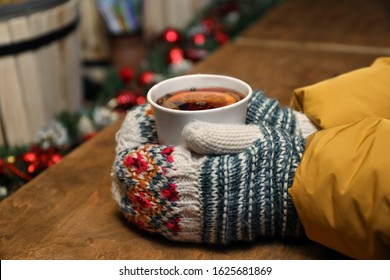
(279, 70)
(355, 23)
(67, 212)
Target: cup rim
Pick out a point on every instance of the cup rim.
(168, 110)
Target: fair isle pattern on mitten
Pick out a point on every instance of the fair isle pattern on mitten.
(137, 128)
(262, 109)
(146, 196)
(155, 194)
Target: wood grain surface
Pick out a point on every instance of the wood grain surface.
(349, 22)
(68, 213)
(277, 70)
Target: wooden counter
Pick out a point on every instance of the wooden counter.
(68, 213)
(334, 23)
(279, 70)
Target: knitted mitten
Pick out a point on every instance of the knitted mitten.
(262, 109)
(211, 197)
(137, 128)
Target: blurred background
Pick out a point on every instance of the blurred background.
(68, 68)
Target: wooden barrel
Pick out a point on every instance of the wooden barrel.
(39, 65)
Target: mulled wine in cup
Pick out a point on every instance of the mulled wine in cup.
(203, 97)
(199, 99)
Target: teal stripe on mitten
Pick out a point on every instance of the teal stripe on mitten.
(262, 109)
(245, 195)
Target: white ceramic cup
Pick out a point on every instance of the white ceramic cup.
(170, 122)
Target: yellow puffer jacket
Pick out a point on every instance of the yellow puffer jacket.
(341, 188)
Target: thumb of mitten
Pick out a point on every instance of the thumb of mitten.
(209, 138)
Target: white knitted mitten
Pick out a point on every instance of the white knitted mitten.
(217, 139)
(201, 195)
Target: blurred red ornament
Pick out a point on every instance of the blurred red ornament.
(31, 168)
(55, 158)
(176, 55)
(126, 98)
(221, 37)
(141, 100)
(209, 24)
(171, 36)
(126, 74)
(199, 39)
(30, 157)
(146, 78)
(39, 159)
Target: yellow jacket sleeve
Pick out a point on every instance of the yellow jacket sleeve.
(347, 98)
(341, 189)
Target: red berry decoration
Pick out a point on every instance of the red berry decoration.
(39, 159)
(176, 55)
(126, 74)
(146, 78)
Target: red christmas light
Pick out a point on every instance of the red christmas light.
(31, 168)
(56, 158)
(171, 36)
(146, 78)
(30, 157)
(199, 39)
(125, 98)
(176, 55)
(39, 159)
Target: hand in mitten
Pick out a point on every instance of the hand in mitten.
(262, 109)
(195, 193)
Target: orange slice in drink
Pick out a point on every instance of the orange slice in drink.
(212, 98)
